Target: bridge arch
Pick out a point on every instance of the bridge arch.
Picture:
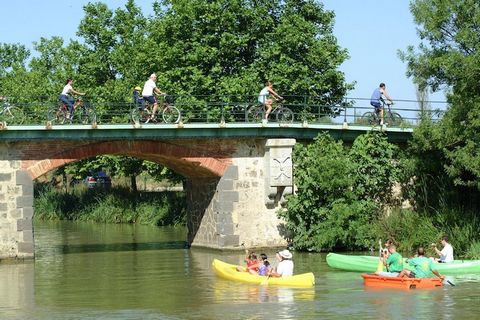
(234, 185)
(188, 161)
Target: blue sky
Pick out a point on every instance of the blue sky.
(372, 31)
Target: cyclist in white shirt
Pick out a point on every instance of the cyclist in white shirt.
(149, 89)
(66, 96)
(446, 254)
(263, 97)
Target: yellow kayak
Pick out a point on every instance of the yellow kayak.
(229, 271)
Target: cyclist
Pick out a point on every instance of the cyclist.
(138, 100)
(149, 89)
(66, 97)
(264, 99)
(375, 100)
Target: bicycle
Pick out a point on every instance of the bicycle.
(256, 113)
(389, 117)
(142, 113)
(61, 113)
(10, 113)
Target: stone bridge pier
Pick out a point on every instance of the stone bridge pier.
(240, 208)
(234, 188)
(16, 212)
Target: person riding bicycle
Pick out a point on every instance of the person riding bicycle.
(377, 97)
(264, 99)
(138, 100)
(148, 94)
(66, 97)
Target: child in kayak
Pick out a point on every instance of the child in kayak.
(264, 267)
(252, 263)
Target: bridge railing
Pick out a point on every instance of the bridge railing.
(233, 109)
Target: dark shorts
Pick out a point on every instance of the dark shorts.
(150, 99)
(376, 105)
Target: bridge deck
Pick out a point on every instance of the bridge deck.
(194, 130)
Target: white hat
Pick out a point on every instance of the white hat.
(285, 254)
(153, 75)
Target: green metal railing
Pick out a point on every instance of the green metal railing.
(214, 109)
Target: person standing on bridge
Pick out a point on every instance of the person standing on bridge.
(263, 98)
(149, 89)
(377, 95)
(66, 96)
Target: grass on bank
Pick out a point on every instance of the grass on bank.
(117, 205)
(410, 229)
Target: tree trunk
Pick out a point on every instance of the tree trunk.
(133, 182)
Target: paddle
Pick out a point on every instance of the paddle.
(380, 262)
(450, 283)
(265, 282)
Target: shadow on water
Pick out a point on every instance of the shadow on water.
(117, 247)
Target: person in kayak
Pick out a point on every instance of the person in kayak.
(393, 262)
(264, 265)
(446, 254)
(285, 265)
(423, 267)
(252, 263)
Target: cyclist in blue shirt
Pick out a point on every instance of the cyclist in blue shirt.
(377, 95)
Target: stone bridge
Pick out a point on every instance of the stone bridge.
(234, 186)
(237, 174)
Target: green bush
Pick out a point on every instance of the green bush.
(408, 230)
(474, 251)
(340, 192)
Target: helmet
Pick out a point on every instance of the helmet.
(138, 88)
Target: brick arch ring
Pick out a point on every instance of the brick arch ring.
(189, 161)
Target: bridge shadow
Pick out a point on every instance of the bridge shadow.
(117, 247)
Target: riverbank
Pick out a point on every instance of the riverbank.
(116, 205)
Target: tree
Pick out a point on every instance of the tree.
(449, 57)
(218, 49)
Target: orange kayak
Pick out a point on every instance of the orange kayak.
(374, 280)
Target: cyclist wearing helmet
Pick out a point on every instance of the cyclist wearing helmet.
(138, 100)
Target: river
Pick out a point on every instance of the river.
(90, 271)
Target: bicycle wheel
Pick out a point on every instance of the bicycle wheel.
(136, 115)
(171, 114)
(14, 115)
(255, 114)
(394, 119)
(369, 118)
(284, 115)
(86, 116)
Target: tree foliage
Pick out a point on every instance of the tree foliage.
(340, 192)
(449, 57)
(210, 48)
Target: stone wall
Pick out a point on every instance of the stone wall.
(239, 210)
(16, 210)
(234, 187)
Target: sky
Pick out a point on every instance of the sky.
(371, 30)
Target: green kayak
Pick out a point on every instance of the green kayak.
(370, 263)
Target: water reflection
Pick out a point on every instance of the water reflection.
(16, 288)
(254, 293)
(134, 246)
(86, 271)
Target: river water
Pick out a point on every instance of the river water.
(91, 271)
